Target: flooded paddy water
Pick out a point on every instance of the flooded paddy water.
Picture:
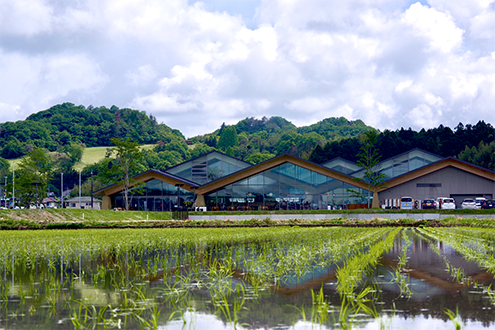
(248, 278)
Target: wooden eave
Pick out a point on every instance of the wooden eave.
(144, 177)
(448, 162)
(271, 163)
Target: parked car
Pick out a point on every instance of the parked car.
(488, 204)
(439, 202)
(406, 203)
(428, 204)
(448, 204)
(469, 203)
(479, 200)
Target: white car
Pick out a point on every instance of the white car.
(448, 204)
(478, 201)
(469, 203)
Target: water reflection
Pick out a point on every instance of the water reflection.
(386, 278)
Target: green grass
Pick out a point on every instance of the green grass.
(43, 218)
(73, 218)
(90, 156)
(95, 154)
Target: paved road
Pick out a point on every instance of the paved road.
(392, 216)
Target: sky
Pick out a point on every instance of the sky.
(197, 64)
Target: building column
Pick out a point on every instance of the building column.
(200, 200)
(106, 203)
(376, 201)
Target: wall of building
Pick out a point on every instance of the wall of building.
(446, 182)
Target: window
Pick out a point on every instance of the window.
(428, 185)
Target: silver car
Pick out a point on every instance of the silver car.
(469, 203)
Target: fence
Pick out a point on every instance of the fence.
(180, 215)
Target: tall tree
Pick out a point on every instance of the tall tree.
(228, 138)
(32, 177)
(368, 160)
(128, 155)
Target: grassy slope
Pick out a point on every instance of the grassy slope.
(90, 156)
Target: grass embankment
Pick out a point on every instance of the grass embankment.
(74, 219)
(350, 212)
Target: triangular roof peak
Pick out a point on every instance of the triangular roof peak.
(273, 162)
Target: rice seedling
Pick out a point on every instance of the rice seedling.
(149, 278)
(398, 275)
(455, 318)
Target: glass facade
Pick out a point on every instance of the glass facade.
(156, 195)
(286, 187)
(208, 168)
(402, 164)
(342, 166)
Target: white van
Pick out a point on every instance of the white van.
(406, 203)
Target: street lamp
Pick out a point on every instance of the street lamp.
(13, 184)
(80, 205)
(62, 190)
(91, 189)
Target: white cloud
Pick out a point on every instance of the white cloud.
(437, 27)
(25, 17)
(195, 65)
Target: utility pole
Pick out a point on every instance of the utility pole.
(62, 190)
(80, 206)
(13, 183)
(91, 189)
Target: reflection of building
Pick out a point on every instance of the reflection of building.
(221, 182)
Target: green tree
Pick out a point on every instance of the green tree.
(4, 168)
(128, 155)
(483, 155)
(71, 155)
(4, 171)
(368, 160)
(259, 157)
(228, 138)
(32, 177)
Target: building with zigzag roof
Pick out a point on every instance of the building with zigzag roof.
(221, 182)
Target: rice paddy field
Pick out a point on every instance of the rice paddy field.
(248, 278)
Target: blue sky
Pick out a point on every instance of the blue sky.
(197, 64)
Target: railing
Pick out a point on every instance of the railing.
(180, 215)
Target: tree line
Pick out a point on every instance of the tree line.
(472, 143)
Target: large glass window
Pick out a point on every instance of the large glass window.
(155, 195)
(286, 186)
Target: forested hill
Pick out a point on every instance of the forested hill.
(67, 123)
(255, 140)
(250, 139)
